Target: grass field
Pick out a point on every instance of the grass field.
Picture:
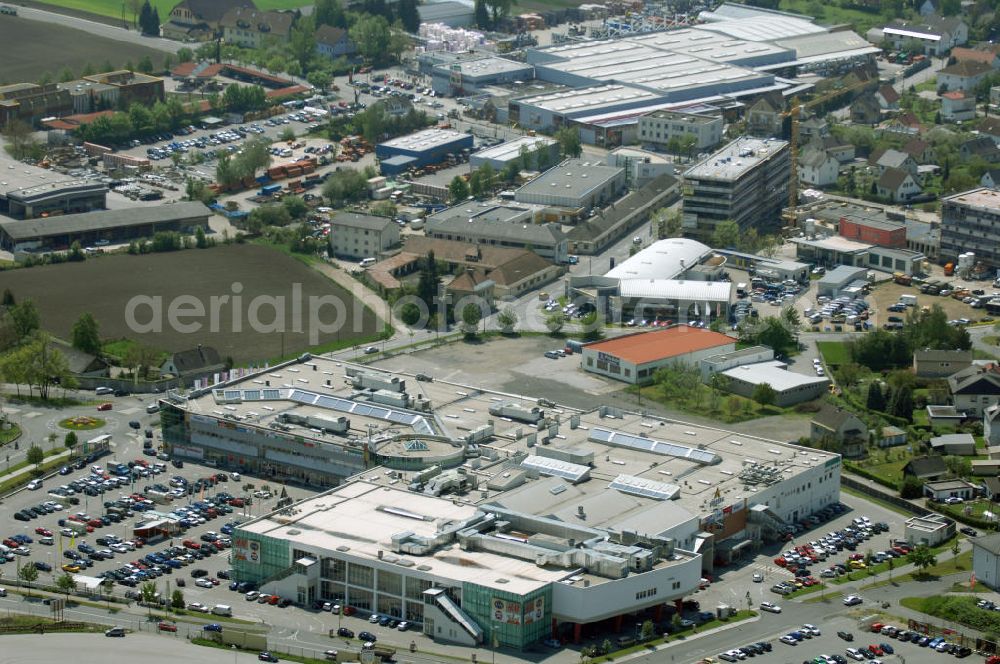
(265, 279)
(29, 50)
(833, 352)
(113, 8)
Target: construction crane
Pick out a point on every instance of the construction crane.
(793, 176)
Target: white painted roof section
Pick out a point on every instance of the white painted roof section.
(774, 374)
(671, 289)
(664, 259)
(763, 28)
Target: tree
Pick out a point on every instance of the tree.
(667, 223)
(200, 240)
(849, 373)
(408, 15)
(66, 583)
(8, 300)
(458, 189)
(791, 316)
(385, 209)
(482, 15)
(296, 206)
(347, 184)
(148, 593)
(569, 141)
(70, 441)
(268, 215)
(726, 234)
(410, 314)
(29, 574)
(86, 335)
(319, 78)
(507, 320)
(20, 139)
(646, 631)
(764, 394)
(177, 599)
(901, 404)
(146, 63)
(330, 12)
(302, 43)
(499, 9)
(955, 548)
(555, 321)
(429, 282)
(913, 487)
(185, 54)
(876, 398)
(35, 455)
(371, 36)
(471, 315)
(922, 557)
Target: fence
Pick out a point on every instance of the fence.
(869, 490)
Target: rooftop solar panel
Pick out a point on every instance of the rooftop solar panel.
(622, 439)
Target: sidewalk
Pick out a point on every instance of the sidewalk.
(28, 469)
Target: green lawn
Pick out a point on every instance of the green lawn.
(829, 14)
(834, 352)
(113, 8)
(947, 564)
(890, 471)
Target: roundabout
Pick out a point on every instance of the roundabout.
(82, 423)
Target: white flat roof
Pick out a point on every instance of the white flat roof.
(672, 289)
(664, 259)
(774, 374)
(512, 149)
(361, 517)
(735, 159)
(591, 98)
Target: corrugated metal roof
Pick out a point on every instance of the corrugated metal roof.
(669, 289)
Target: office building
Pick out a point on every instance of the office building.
(969, 223)
(355, 235)
(659, 127)
(746, 182)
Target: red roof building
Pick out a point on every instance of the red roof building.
(634, 358)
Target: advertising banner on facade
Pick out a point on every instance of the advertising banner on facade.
(247, 550)
(534, 610)
(506, 612)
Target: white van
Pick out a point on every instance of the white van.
(222, 610)
(368, 262)
(103, 390)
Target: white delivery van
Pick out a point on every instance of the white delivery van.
(222, 610)
(368, 262)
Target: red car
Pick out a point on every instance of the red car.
(876, 650)
(236, 502)
(780, 562)
(10, 543)
(167, 627)
(96, 523)
(191, 544)
(274, 600)
(105, 406)
(45, 532)
(218, 545)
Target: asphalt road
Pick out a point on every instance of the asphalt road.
(100, 29)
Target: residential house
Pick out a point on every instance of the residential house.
(890, 158)
(471, 286)
(80, 363)
(983, 147)
(942, 415)
(897, 185)
(986, 560)
(955, 488)
(933, 363)
(991, 488)
(990, 178)
(891, 436)
(189, 365)
(333, 42)
(958, 444)
(842, 151)
(198, 20)
(362, 236)
(985, 56)
(841, 427)
(964, 76)
(813, 127)
(252, 28)
(865, 110)
(990, 126)
(921, 151)
(925, 468)
(938, 35)
(991, 425)
(887, 98)
(818, 168)
(765, 116)
(975, 389)
(957, 106)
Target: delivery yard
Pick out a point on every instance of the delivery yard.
(251, 275)
(28, 51)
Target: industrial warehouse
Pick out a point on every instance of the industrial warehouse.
(487, 517)
(740, 52)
